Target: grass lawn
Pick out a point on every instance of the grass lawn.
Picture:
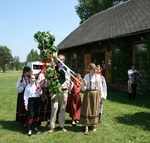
(123, 120)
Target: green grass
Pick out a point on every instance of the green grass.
(123, 120)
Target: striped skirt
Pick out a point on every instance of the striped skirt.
(90, 107)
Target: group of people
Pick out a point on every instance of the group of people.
(34, 100)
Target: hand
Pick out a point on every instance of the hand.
(41, 82)
(26, 108)
(85, 82)
(102, 100)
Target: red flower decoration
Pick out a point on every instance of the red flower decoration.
(37, 88)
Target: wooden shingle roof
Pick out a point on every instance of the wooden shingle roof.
(125, 19)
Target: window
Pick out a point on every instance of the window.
(140, 55)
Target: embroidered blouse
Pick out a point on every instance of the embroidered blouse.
(94, 82)
(32, 90)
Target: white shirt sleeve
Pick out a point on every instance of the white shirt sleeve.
(71, 85)
(66, 84)
(104, 88)
(86, 78)
(26, 96)
(20, 86)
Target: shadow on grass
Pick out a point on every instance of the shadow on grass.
(141, 119)
(68, 126)
(122, 97)
(13, 126)
(77, 128)
(17, 127)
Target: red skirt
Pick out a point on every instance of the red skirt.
(74, 106)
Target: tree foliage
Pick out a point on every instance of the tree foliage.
(16, 63)
(86, 8)
(5, 57)
(33, 56)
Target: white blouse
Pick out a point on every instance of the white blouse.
(104, 87)
(94, 82)
(21, 84)
(32, 90)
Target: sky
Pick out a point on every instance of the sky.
(21, 19)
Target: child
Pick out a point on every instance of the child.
(32, 104)
(104, 90)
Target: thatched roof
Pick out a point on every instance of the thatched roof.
(125, 19)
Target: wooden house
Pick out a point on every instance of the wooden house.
(92, 41)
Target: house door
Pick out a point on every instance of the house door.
(87, 61)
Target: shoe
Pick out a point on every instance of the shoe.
(35, 129)
(73, 123)
(86, 132)
(64, 130)
(77, 121)
(51, 131)
(94, 130)
(29, 133)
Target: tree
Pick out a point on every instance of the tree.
(33, 56)
(86, 8)
(5, 57)
(16, 62)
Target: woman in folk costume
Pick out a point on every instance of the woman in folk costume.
(92, 86)
(32, 104)
(74, 101)
(45, 97)
(104, 90)
(23, 81)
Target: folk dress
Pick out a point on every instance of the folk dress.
(21, 113)
(91, 99)
(74, 101)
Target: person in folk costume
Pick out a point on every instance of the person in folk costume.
(23, 81)
(74, 101)
(60, 101)
(132, 82)
(32, 104)
(92, 87)
(45, 97)
(104, 90)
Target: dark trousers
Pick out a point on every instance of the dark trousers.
(133, 94)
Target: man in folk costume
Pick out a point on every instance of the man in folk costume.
(23, 81)
(74, 101)
(92, 87)
(32, 104)
(104, 90)
(60, 101)
(132, 82)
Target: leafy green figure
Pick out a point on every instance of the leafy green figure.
(47, 52)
